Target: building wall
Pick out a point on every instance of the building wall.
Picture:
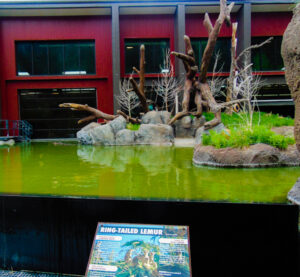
(55, 28)
(99, 28)
(269, 24)
(145, 27)
(195, 29)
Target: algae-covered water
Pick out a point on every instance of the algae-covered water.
(141, 172)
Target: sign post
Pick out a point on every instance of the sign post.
(135, 250)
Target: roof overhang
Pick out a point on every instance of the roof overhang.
(273, 7)
(207, 8)
(148, 10)
(56, 12)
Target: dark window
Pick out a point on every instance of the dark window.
(40, 108)
(267, 57)
(155, 52)
(222, 47)
(55, 58)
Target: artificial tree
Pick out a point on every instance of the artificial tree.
(200, 85)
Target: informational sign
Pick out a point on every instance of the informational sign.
(134, 250)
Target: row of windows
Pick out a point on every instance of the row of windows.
(78, 57)
(265, 58)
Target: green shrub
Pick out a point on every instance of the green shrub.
(133, 127)
(243, 137)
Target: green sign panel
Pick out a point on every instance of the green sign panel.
(134, 250)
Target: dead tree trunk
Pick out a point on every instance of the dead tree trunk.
(203, 95)
(191, 69)
(203, 86)
(139, 88)
(232, 76)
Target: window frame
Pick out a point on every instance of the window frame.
(142, 41)
(268, 71)
(210, 73)
(47, 43)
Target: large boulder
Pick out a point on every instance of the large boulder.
(84, 134)
(154, 134)
(257, 155)
(165, 116)
(201, 131)
(125, 137)
(156, 117)
(102, 135)
(97, 134)
(186, 127)
(118, 124)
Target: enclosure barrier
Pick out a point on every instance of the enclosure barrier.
(20, 130)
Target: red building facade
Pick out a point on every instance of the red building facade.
(104, 31)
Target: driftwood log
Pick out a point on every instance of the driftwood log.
(97, 114)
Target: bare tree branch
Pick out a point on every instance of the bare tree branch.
(127, 98)
(139, 88)
(94, 112)
(167, 86)
(253, 47)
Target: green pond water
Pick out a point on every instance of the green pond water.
(141, 172)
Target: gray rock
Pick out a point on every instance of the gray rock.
(165, 117)
(84, 134)
(118, 124)
(198, 122)
(186, 122)
(125, 137)
(294, 193)
(290, 156)
(154, 134)
(200, 131)
(102, 135)
(257, 155)
(186, 127)
(156, 117)
(152, 117)
(262, 154)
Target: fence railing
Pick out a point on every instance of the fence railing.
(20, 129)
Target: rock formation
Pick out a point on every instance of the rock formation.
(290, 51)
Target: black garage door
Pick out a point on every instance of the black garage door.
(40, 108)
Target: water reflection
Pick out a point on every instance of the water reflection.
(153, 159)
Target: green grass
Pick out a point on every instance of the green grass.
(244, 137)
(263, 119)
(240, 136)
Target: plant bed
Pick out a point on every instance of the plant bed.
(269, 144)
(257, 155)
